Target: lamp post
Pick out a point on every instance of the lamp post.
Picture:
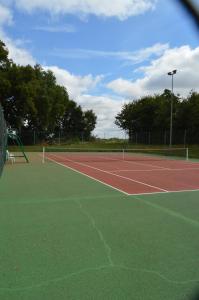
(172, 73)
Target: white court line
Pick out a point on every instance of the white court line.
(137, 170)
(144, 164)
(135, 162)
(168, 192)
(166, 169)
(88, 176)
(129, 179)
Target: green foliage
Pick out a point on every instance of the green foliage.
(3, 140)
(188, 113)
(153, 113)
(4, 61)
(32, 100)
(89, 122)
(77, 123)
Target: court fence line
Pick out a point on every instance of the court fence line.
(3, 140)
(183, 137)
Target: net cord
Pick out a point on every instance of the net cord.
(122, 151)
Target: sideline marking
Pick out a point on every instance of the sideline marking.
(136, 181)
(169, 212)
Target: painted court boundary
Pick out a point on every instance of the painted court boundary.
(161, 191)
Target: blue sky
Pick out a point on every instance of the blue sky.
(105, 53)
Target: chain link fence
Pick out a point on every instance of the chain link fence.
(183, 137)
(3, 140)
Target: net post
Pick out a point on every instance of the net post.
(123, 154)
(187, 153)
(43, 155)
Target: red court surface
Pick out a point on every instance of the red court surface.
(138, 177)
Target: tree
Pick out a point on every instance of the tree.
(30, 96)
(89, 122)
(4, 61)
(72, 121)
(138, 115)
(148, 113)
(4, 68)
(76, 123)
(32, 100)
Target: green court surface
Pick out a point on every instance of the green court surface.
(66, 236)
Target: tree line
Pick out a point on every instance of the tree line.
(152, 113)
(33, 101)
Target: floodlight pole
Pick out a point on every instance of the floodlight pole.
(171, 116)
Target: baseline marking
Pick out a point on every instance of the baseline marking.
(129, 179)
(168, 192)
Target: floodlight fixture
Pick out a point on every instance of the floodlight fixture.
(171, 116)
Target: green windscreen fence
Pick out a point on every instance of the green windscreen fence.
(3, 140)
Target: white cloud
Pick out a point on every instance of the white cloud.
(76, 85)
(126, 88)
(54, 29)
(122, 9)
(143, 54)
(155, 79)
(5, 16)
(106, 108)
(17, 53)
(133, 57)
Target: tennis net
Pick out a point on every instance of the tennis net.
(61, 154)
(3, 140)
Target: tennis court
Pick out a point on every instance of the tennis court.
(98, 228)
(135, 172)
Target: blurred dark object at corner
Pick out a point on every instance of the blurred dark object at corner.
(195, 296)
(193, 10)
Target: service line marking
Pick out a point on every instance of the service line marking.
(150, 170)
(135, 162)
